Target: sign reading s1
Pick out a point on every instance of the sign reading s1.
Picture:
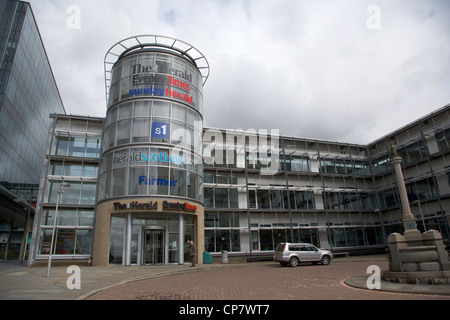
(161, 130)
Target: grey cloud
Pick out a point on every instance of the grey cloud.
(309, 68)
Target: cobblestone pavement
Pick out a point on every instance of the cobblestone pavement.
(268, 281)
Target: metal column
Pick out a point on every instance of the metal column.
(180, 239)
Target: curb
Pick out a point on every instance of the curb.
(359, 282)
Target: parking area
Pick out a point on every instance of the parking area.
(261, 281)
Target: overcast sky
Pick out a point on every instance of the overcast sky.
(341, 70)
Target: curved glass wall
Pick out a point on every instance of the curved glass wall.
(153, 129)
(158, 75)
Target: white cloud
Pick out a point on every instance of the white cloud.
(308, 68)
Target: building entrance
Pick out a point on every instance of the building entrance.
(153, 248)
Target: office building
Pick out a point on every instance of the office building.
(259, 189)
(28, 94)
(340, 196)
(135, 187)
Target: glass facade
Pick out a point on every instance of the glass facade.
(156, 75)
(257, 188)
(150, 193)
(334, 195)
(342, 196)
(28, 94)
(72, 161)
(140, 223)
(153, 139)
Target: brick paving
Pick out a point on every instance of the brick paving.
(268, 281)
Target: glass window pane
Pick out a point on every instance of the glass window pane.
(91, 170)
(45, 241)
(263, 199)
(73, 169)
(116, 240)
(93, 147)
(67, 217)
(84, 241)
(77, 146)
(233, 195)
(88, 192)
(235, 240)
(159, 181)
(125, 111)
(118, 182)
(209, 241)
(161, 109)
(179, 135)
(141, 130)
(86, 218)
(222, 240)
(47, 217)
(193, 185)
(142, 108)
(61, 145)
(65, 241)
(110, 137)
(123, 131)
(52, 192)
(209, 196)
(178, 112)
(178, 183)
(138, 180)
(71, 194)
(57, 168)
(221, 197)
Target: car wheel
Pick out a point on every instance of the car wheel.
(325, 260)
(293, 262)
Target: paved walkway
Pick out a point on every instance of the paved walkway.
(249, 281)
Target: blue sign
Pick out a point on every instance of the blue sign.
(161, 130)
(157, 181)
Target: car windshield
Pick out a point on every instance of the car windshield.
(280, 247)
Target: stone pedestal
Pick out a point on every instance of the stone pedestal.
(414, 257)
(417, 258)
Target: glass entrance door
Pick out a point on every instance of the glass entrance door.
(152, 246)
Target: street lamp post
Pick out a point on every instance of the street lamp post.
(62, 185)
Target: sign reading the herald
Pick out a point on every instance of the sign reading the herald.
(163, 80)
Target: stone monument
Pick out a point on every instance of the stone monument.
(414, 257)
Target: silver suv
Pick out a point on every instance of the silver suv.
(294, 253)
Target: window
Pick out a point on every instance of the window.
(299, 164)
(443, 138)
(381, 164)
(61, 145)
(414, 151)
(422, 190)
(73, 231)
(123, 131)
(178, 187)
(93, 147)
(74, 146)
(389, 199)
(304, 200)
(141, 130)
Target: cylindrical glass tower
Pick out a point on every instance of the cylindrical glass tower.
(150, 199)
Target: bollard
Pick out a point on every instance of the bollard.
(224, 256)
